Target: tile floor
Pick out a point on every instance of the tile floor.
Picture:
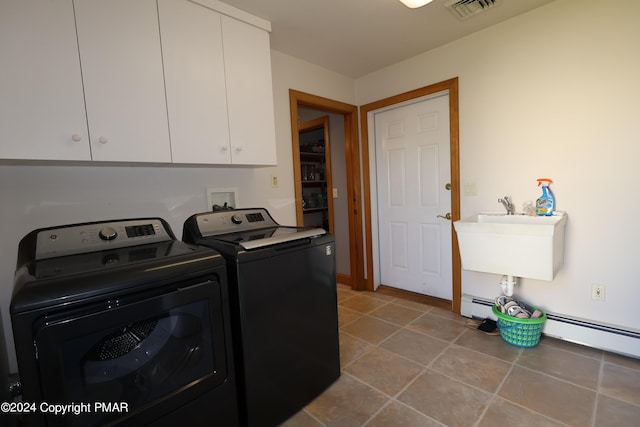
(409, 364)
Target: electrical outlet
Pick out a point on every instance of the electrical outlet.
(274, 180)
(597, 292)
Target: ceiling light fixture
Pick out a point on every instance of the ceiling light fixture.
(414, 4)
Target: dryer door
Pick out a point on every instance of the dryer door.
(133, 354)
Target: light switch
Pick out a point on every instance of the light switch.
(470, 189)
(335, 193)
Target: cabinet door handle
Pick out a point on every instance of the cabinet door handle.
(224, 148)
(76, 137)
(239, 148)
(103, 140)
(446, 216)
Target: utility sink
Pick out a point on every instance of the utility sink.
(513, 245)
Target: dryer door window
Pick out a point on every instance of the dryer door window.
(132, 355)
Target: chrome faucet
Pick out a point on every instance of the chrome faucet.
(508, 205)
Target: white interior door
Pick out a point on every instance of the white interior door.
(413, 170)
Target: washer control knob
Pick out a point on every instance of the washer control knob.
(108, 233)
(236, 219)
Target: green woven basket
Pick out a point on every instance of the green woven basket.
(520, 332)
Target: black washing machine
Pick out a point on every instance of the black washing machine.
(282, 287)
(5, 394)
(118, 323)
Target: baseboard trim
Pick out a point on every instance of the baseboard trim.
(613, 338)
(343, 279)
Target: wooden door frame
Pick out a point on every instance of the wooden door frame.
(352, 154)
(451, 86)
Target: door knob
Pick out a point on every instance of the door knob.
(447, 216)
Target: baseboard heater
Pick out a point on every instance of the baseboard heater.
(602, 336)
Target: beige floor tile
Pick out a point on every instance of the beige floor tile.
(615, 413)
(549, 396)
(492, 345)
(370, 329)
(397, 314)
(437, 326)
(572, 347)
(470, 367)
(346, 315)
(504, 413)
(447, 314)
(627, 362)
(413, 304)
(415, 346)
(437, 367)
(384, 370)
(351, 348)
(347, 403)
(344, 294)
(397, 414)
(563, 364)
(621, 382)
(376, 295)
(445, 399)
(363, 303)
(302, 419)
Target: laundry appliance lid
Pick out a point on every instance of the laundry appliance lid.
(249, 228)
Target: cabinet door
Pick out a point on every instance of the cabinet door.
(42, 113)
(247, 63)
(194, 79)
(119, 43)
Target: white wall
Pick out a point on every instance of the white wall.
(552, 93)
(292, 73)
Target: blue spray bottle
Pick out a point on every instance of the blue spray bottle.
(546, 203)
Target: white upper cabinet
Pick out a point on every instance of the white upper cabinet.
(219, 88)
(119, 43)
(156, 81)
(42, 114)
(195, 83)
(116, 44)
(247, 62)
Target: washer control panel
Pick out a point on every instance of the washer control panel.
(98, 236)
(223, 222)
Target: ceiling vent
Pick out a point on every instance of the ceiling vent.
(464, 9)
